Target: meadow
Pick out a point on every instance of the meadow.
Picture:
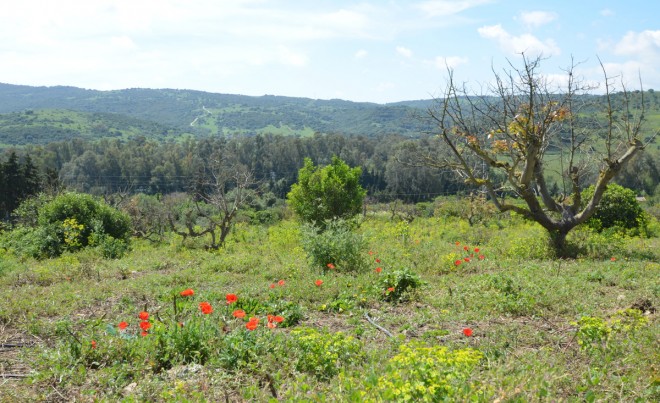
(438, 310)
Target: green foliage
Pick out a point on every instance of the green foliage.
(421, 373)
(398, 285)
(338, 245)
(618, 210)
(70, 222)
(594, 333)
(328, 193)
(512, 297)
(324, 354)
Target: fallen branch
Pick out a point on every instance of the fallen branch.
(379, 327)
(13, 376)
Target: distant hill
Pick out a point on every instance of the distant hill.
(159, 112)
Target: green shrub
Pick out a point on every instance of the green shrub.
(328, 193)
(399, 284)
(69, 222)
(323, 354)
(338, 245)
(618, 210)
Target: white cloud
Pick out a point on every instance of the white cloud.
(645, 45)
(443, 8)
(444, 62)
(535, 19)
(606, 12)
(291, 58)
(515, 45)
(361, 54)
(405, 52)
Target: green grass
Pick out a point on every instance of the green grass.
(522, 306)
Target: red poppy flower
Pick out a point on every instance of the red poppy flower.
(239, 313)
(144, 315)
(467, 332)
(144, 325)
(331, 266)
(251, 325)
(377, 260)
(457, 263)
(379, 269)
(318, 283)
(272, 285)
(231, 298)
(144, 333)
(476, 250)
(467, 259)
(281, 283)
(457, 243)
(187, 292)
(613, 259)
(482, 257)
(371, 253)
(93, 344)
(272, 325)
(270, 318)
(180, 324)
(391, 289)
(278, 319)
(122, 325)
(465, 248)
(254, 319)
(205, 307)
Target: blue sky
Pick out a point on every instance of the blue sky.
(376, 51)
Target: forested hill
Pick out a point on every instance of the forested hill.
(171, 112)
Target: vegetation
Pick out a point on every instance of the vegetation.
(501, 141)
(172, 321)
(329, 193)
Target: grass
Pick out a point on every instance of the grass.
(524, 309)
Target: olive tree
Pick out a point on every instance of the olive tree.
(503, 137)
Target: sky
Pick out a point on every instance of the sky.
(374, 51)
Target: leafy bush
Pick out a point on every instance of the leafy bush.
(618, 209)
(323, 354)
(70, 222)
(423, 373)
(399, 284)
(328, 193)
(338, 246)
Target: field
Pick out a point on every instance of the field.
(441, 310)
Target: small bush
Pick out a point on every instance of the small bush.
(398, 285)
(618, 210)
(338, 245)
(323, 354)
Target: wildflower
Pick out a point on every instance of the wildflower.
(281, 283)
(252, 325)
(272, 325)
(371, 253)
(180, 324)
(122, 325)
(476, 250)
(270, 318)
(239, 313)
(377, 260)
(93, 344)
(458, 243)
(465, 248)
(144, 333)
(144, 315)
(318, 283)
(205, 307)
(391, 289)
(188, 292)
(278, 319)
(144, 325)
(331, 266)
(482, 257)
(467, 259)
(379, 269)
(467, 332)
(272, 286)
(613, 259)
(231, 298)
(457, 263)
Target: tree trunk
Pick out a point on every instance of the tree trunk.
(559, 244)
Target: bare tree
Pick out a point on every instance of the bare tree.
(503, 138)
(214, 206)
